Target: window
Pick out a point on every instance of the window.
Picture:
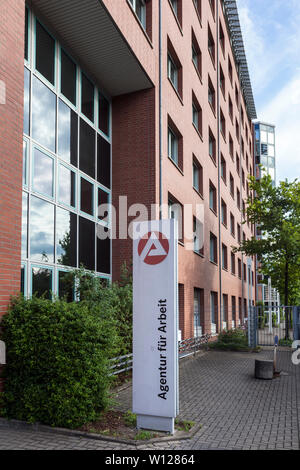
(197, 176)
(66, 186)
(212, 197)
(233, 264)
(231, 148)
(198, 312)
(223, 124)
(243, 178)
(87, 157)
(172, 146)
(176, 212)
(45, 53)
(211, 45)
(236, 95)
(175, 144)
(212, 6)
(87, 243)
(41, 230)
(68, 77)
(232, 225)
(239, 233)
(231, 185)
(174, 4)
(104, 111)
(224, 257)
(239, 269)
(223, 169)
(66, 289)
(223, 213)
(238, 198)
(42, 282)
(198, 237)
(233, 307)
(198, 6)
(230, 108)
(43, 173)
(213, 248)
(245, 272)
(66, 237)
(139, 7)
(86, 196)
(24, 245)
(87, 97)
(225, 311)
(237, 161)
(237, 130)
(172, 72)
(211, 95)
(196, 55)
(214, 311)
(67, 133)
(43, 114)
(104, 251)
(212, 146)
(59, 220)
(222, 81)
(230, 70)
(197, 114)
(103, 161)
(222, 38)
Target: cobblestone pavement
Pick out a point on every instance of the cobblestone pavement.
(218, 390)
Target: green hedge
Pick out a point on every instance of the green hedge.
(231, 340)
(57, 370)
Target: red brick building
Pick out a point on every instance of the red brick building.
(148, 99)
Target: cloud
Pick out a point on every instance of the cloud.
(272, 42)
(283, 111)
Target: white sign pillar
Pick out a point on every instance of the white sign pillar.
(155, 324)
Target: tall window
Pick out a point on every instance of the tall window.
(212, 146)
(214, 311)
(223, 213)
(211, 45)
(223, 169)
(60, 220)
(224, 257)
(212, 197)
(176, 212)
(213, 248)
(197, 176)
(198, 312)
(196, 114)
(173, 145)
(172, 72)
(139, 7)
(211, 95)
(196, 54)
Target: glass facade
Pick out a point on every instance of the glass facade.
(66, 168)
(265, 149)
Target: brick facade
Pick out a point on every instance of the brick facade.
(11, 131)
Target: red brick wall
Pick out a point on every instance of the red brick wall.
(11, 131)
(133, 161)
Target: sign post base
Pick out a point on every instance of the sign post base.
(155, 423)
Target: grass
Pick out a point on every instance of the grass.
(184, 425)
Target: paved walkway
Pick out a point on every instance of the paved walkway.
(218, 390)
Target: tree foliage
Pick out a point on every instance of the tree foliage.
(276, 212)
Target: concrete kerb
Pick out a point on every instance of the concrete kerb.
(178, 436)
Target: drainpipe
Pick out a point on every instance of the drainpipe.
(160, 109)
(219, 170)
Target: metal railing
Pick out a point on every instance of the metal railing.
(186, 347)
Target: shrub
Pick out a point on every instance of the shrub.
(117, 296)
(57, 370)
(232, 340)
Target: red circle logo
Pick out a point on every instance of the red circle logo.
(153, 248)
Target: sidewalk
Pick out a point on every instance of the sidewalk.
(218, 390)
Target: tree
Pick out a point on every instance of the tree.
(276, 212)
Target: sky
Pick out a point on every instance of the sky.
(271, 32)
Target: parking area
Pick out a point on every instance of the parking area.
(218, 390)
